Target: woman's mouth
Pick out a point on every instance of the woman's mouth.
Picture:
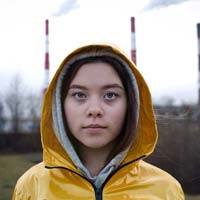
(94, 126)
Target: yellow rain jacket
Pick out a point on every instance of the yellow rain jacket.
(59, 178)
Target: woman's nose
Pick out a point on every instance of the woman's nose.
(95, 109)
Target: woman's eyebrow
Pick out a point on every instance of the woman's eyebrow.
(115, 85)
(107, 86)
(77, 87)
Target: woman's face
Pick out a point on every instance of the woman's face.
(95, 105)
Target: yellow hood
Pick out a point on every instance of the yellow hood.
(146, 137)
(58, 177)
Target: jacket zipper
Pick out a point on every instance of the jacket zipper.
(98, 191)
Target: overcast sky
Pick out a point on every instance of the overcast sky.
(166, 39)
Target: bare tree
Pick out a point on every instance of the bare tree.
(33, 111)
(2, 117)
(168, 101)
(15, 99)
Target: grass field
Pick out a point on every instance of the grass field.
(12, 166)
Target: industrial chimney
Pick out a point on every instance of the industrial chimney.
(198, 34)
(133, 43)
(46, 62)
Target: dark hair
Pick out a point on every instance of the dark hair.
(127, 134)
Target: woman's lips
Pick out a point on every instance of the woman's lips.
(94, 128)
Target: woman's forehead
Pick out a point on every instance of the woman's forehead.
(96, 73)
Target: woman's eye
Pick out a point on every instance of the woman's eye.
(79, 95)
(110, 95)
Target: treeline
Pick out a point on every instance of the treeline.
(19, 108)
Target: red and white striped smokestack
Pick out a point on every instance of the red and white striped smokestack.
(46, 63)
(133, 43)
(198, 34)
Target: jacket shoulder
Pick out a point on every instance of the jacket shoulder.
(25, 187)
(163, 180)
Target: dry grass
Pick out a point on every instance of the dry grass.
(188, 197)
(11, 168)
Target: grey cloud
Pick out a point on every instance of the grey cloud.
(66, 7)
(162, 3)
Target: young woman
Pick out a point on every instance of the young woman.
(97, 126)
